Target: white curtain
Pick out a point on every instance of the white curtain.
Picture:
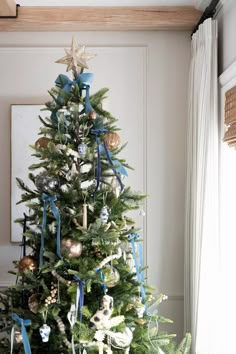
(201, 226)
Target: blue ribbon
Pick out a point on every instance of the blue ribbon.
(49, 200)
(79, 295)
(83, 80)
(22, 323)
(140, 274)
(104, 287)
(116, 166)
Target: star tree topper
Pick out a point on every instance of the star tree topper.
(76, 58)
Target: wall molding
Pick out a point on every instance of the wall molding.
(228, 75)
(201, 4)
(117, 18)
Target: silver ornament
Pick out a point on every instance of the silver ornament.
(46, 183)
(45, 331)
(52, 183)
(104, 215)
(82, 150)
(121, 339)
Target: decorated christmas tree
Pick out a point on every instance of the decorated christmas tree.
(81, 281)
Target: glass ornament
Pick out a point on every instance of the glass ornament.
(104, 215)
(82, 150)
(111, 276)
(46, 183)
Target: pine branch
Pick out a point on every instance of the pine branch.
(23, 186)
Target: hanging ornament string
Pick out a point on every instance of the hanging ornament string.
(79, 295)
(85, 214)
(49, 200)
(83, 81)
(103, 149)
(154, 314)
(138, 265)
(22, 323)
(62, 115)
(100, 273)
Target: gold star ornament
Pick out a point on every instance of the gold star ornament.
(76, 58)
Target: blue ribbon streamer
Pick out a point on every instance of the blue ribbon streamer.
(83, 80)
(104, 287)
(49, 200)
(140, 274)
(116, 166)
(79, 295)
(22, 323)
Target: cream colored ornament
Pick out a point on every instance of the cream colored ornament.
(71, 248)
(18, 337)
(76, 58)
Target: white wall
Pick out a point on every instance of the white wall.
(227, 30)
(166, 65)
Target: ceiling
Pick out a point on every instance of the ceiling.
(196, 3)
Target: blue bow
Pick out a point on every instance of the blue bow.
(22, 323)
(83, 81)
(49, 200)
(116, 166)
(79, 295)
(140, 274)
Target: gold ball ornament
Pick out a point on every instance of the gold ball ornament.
(27, 263)
(92, 115)
(71, 248)
(112, 140)
(140, 321)
(111, 276)
(42, 142)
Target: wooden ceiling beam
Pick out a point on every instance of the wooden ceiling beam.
(66, 19)
(8, 8)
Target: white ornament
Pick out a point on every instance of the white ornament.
(99, 336)
(71, 316)
(104, 215)
(86, 167)
(52, 227)
(102, 318)
(140, 310)
(130, 262)
(45, 332)
(64, 188)
(82, 149)
(87, 184)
